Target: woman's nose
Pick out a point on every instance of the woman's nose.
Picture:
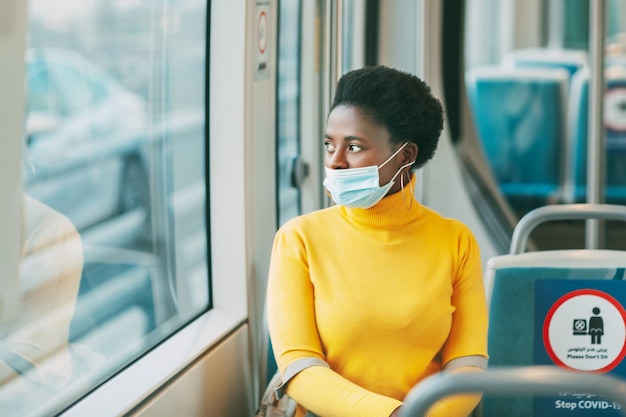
(337, 160)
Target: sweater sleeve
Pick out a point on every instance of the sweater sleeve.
(293, 330)
(327, 394)
(468, 335)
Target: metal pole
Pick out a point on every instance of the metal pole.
(333, 43)
(556, 26)
(594, 236)
(338, 39)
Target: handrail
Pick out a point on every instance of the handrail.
(561, 212)
(596, 148)
(538, 380)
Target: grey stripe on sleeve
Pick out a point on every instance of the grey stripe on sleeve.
(296, 367)
(474, 360)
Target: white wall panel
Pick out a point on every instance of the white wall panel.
(218, 385)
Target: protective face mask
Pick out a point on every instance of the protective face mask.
(359, 187)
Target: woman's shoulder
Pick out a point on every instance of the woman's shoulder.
(310, 220)
(439, 221)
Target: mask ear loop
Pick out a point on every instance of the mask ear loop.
(330, 197)
(408, 175)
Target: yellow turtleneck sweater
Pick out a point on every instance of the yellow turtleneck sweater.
(386, 296)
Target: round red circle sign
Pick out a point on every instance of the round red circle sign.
(585, 330)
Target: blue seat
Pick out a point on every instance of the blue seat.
(615, 131)
(522, 290)
(519, 115)
(569, 59)
(271, 365)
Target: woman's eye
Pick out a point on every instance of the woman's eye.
(354, 148)
(329, 147)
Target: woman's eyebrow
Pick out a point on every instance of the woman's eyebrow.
(346, 138)
(352, 137)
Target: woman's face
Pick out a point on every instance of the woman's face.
(353, 140)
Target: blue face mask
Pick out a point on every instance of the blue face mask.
(359, 187)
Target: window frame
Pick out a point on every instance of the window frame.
(225, 91)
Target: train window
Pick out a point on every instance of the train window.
(291, 168)
(353, 32)
(576, 22)
(114, 256)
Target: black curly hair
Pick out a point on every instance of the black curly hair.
(397, 100)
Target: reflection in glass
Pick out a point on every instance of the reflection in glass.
(35, 359)
(115, 255)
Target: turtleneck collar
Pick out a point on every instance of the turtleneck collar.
(390, 212)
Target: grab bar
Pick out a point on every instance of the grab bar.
(561, 212)
(538, 380)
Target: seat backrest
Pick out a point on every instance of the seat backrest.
(569, 59)
(615, 131)
(544, 308)
(519, 114)
(515, 327)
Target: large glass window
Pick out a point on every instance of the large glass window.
(291, 169)
(115, 243)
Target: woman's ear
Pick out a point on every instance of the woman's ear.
(409, 153)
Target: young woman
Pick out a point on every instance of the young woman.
(370, 296)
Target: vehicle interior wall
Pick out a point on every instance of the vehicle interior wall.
(216, 384)
(259, 162)
(442, 187)
(12, 45)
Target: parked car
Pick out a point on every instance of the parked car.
(85, 136)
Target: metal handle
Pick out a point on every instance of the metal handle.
(538, 380)
(561, 212)
(299, 171)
